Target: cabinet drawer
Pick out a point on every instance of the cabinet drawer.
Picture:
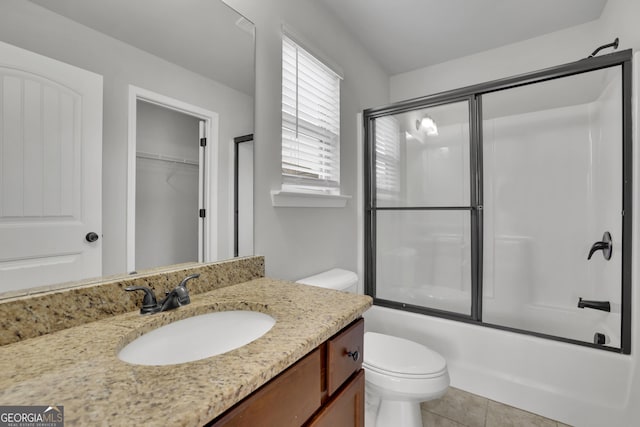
(286, 401)
(344, 355)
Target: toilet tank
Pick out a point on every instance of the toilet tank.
(337, 278)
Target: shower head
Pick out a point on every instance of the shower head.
(614, 45)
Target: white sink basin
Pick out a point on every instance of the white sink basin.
(197, 338)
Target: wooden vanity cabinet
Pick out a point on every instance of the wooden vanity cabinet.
(323, 389)
(346, 408)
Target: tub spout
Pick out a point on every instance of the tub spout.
(596, 305)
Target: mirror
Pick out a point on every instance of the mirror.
(200, 52)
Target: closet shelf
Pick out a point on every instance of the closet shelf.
(154, 156)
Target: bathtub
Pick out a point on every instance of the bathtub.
(560, 321)
(576, 385)
(567, 322)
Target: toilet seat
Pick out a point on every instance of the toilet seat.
(401, 358)
(405, 376)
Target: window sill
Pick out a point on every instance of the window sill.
(291, 199)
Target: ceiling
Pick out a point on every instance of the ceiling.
(404, 35)
(204, 36)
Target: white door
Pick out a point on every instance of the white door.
(50, 171)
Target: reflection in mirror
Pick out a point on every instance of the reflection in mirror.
(200, 52)
(167, 187)
(243, 197)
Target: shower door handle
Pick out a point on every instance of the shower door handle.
(604, 245)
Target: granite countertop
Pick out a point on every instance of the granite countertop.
(78, 367)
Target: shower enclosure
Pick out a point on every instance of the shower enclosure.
(508, 204)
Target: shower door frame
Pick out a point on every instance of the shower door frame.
(473, 94)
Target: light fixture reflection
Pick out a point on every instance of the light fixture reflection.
(428, 124)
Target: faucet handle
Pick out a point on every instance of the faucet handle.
(605, 245)
(181, 293)
(149, 302)
(186, 279)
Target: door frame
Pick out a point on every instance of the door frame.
(236, 190)
(208, 197)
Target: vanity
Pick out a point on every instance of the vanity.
(306, 370)
(325, 388)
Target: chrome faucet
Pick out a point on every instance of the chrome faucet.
(175, 298)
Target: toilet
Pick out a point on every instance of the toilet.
(399, 373)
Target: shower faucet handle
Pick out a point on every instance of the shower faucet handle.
(605, 245)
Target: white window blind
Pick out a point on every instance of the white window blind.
(310, 121)
(387, 133)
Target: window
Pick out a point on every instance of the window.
(310, 122)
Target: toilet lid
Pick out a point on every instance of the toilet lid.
(401, 357)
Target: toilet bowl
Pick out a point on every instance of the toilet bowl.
(399, 373)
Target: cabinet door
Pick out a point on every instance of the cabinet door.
(286, 401)
(346, 408)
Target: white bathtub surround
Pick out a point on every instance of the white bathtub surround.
(552, 186)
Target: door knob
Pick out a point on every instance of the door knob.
(91, 237)
(604, 245)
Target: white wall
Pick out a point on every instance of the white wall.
(300, 241)
(619, 19)
(34, 28)
(167, 132)
(615, 384)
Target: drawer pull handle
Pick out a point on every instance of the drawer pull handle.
(355, 355)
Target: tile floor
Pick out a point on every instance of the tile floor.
(458, 408)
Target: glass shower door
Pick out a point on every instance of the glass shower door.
(552, 187)
(423, 208)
